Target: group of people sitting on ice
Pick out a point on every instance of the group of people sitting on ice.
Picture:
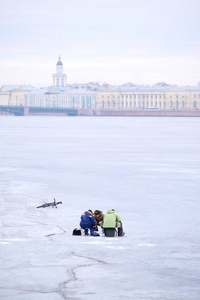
(110, 223)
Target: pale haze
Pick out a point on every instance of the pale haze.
(113, 41)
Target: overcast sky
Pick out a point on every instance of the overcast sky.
(113, 41)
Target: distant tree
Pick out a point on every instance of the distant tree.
(161, 84)
(129, 84)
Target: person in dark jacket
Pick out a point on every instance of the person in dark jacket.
(88, 222)
(98, 215)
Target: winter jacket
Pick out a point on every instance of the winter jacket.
(111, 220)
(98, 215)
(87, 220)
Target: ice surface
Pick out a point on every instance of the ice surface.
(147, 169)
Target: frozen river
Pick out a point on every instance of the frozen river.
(147, 169)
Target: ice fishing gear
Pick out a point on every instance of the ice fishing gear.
(77, 231)
(52, 204)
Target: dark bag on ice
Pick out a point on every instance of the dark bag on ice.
(76, 232)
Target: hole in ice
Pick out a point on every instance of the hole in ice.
(8, 241)
(93, 242)
(146, 244)
(4, 243)
(115, 247)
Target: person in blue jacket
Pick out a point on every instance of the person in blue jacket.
(88, 222)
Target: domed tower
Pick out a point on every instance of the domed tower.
(59, 79)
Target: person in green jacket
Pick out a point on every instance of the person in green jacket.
(112, 220)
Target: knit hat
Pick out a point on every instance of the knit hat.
(97, 212)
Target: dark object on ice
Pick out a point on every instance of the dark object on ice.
(52, 204)
(110, 232)
(76, 232)
(120, 231)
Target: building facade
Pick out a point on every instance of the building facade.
(69, 98)
(14, 95)
(140, 98)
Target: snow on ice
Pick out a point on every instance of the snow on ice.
(147, 169)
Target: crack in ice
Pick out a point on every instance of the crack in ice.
(72, 274)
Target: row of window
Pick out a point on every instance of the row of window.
(126, 104)
(145, 104)
(64, 102)
(147, 96)
(135, 96)
(181, 105)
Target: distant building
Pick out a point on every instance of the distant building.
(96, 96)
(59, 78)
(14, 95)
(152, 97)
(69, 98)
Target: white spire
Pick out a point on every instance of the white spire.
(59, 79)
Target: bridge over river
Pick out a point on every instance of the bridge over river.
(56, 111)
(25, 111)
